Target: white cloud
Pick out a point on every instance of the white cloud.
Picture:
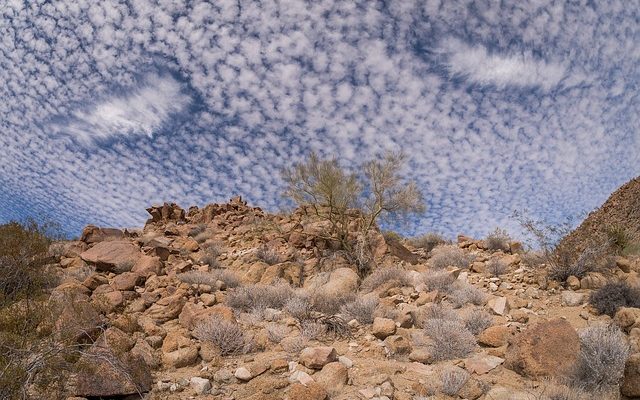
(482, 66)
(140, 111)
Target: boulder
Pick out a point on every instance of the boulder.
(572, 299)
(332, 377)
(626, 317)
(93, 234)
(183, 357)
(546, 349)
(495, 336)
(631, 382)
(383, 327)
(481, 364)
(312, 391)
(200, 385)
(147, 266)
(116, 256)
(499, 305)
(341, 281)
(127, 281)
(317, 357)
(167, 308)
(398, 344)
(593, 280)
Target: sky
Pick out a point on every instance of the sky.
(108, 107)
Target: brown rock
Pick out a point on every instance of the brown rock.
(548, 348)
(147, 266)
(114, 256)
(631, 381)
(313, 391)
(93, 234)
(495, 336)
(180, 358)
(593, 280)
(94, 280)
(398, 344)
(573, 283)
(383, 327)
(332, 377)
(127, 281)
(626, 317)
(317, 357)
(167, 308)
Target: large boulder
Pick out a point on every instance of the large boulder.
(93, 234)
(116, 256)
(167, 308)
(546, 349)
(631, 382)
(341, 281)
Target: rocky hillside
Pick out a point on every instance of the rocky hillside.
(229, 302)
(622, 209)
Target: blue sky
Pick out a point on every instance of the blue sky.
(108, 107)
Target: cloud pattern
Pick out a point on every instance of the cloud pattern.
(111, 106)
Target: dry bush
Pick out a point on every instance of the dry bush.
(210, 278)
(532, 259)
(453, 379)
(382, 276)
(449, 255)
(603, 353)
(210, 253)
(561, 391)
(299, 307)
(228, 337)
(197, 230)
(461, 293)
(428, 241)
(330, 304)
(392, 237)
(268, 254)
(450, 339)
(613, 295)
(496, 267)
(618, 237)
(564, 263)
(312, 330)
(438, 280)
(247, 298)
(438, 311)
(477, 320)
(277, 332)
(295, 345)
(497, 240)
(361, 309)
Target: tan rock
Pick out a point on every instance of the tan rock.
(495, 336)
(499, 305)
(573, 283)
(332, 377)
(180, 358)
(398, 344)
(167, 308)
(481, 364)
(114, 256)
(383, 327)
(548, 348)
(317, 357)
(593, 280)
(147, 266)
(93, 234)
(127, 281)
(626, 317)
(631, 382)
(313, 391)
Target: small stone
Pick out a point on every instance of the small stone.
(499, 305)
(200, 385)
(482, 364)
(573, 283)
(572, 299)
(243, 374)
(345, 361)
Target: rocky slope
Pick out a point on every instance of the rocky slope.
(622, 209)
(229, 302)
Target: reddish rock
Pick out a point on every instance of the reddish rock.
(93, 234)
(127, 281)
(317, 357)
(495, 336)
(114, 256)
(546, 349)
(313, 391)
(147, 266)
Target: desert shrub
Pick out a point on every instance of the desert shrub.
(247, 298)
(299, 307)
(333, 194)
(477, 320)
(561, 391)
(391, 236)
(428, 241)
(497, 240)
(197, 230)
(613, 295)
(619, 238)
(360, 309)
(603, 353)
(330, 304)
(461, 293)
(210, 253)
(450, 339)
(295, 345)
(447, 255)
(496, 267)
(381, 276)
(268, 254)
(453, 379)
(210, 278)
(227, 336)
(438, 311)
(276, 332)
(438, 280)
(532, 259)
(632, 249)
(312, 330)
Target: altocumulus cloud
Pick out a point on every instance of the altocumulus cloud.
(142, 110)
(110, 106)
